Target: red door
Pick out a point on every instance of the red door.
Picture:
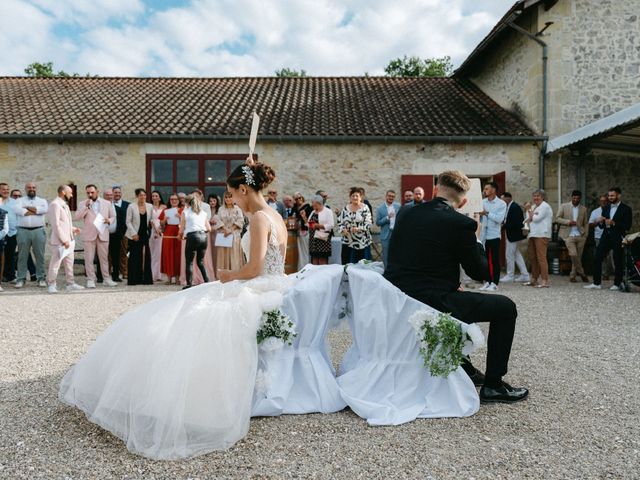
(409, 182)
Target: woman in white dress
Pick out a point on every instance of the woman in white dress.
(175, 377)
(155, 237)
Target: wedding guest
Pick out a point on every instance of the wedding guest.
(418, 197)
(288, 203)
(607, 265)
(62, 237)
(4, 231)
(320, 225)
(302, 210)
(214, 204)
(407, 197)
(574, 228)
(94, 238)
(273, 202)
(118, 241)
(16, 193)
(230, 222)
(540, 221)
(492, 216)
(139, 216)
(197, 279)
(203, 206)
(7, 204)
(182, 197)
(513, 223)
(171, 242)
(30, 212)
(107, 194)
(355, 222)
(155, 237)
(386, 220)
(325, 197)
(615, 220)
(194, 227)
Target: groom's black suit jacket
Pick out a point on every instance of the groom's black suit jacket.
(429, 243)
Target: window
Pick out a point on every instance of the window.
(170, 173)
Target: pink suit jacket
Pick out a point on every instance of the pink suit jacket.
(59, 217)
(90, 232)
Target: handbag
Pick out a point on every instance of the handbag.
(322, 236)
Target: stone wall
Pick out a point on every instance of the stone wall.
(593, 68)
(305, 167)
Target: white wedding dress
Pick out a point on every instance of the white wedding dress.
(175, 377)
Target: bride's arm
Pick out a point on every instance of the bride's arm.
(259, 232)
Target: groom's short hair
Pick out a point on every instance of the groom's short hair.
(454, 182)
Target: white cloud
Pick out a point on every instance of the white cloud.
(239, 37)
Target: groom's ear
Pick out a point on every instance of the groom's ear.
(435, 192)
(462, 203)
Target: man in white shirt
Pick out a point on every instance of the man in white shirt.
(574, 228)
(607, 266)
(31, 211)
(540, 220)
(492, 217)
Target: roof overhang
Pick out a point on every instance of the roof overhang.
(619, 132)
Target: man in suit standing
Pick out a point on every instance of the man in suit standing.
(386, 220)
(96, 238)
(274, 203)
(616, 221)
(117, 240)
(513, 223)
(429, 244)
(574, 228)
(417, 199)
(62, 235)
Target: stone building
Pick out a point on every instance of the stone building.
(593, 72)
(174, 134)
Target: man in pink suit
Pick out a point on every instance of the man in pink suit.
(94, 238)
(62, 235)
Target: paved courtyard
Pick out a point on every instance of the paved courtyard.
(578, 351)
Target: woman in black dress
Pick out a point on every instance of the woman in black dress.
(320, 230)
(138, 224)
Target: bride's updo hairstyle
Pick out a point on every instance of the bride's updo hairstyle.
(257, 176)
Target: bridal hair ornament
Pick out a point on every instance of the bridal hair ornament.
(248, 175)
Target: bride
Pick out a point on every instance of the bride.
(175, 377)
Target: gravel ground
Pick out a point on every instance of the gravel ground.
(576, 350)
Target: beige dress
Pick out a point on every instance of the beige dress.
(231, 219)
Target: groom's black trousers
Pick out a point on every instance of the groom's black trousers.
(472, 307)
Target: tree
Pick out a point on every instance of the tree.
(45, 70)
(289, 72)
(417, 67)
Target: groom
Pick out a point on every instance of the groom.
(429, 244)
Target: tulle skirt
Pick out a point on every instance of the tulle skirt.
(174, 377)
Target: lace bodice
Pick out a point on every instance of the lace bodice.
(273, 260)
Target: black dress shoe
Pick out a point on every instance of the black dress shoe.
(477, 377)
(503, 394)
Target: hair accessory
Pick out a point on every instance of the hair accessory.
(248, 175)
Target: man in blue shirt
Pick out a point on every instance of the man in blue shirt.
(492, 218)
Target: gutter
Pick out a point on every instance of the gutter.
(545, 57)
(278, 138)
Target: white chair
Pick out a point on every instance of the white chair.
(383, 378)
(301, 378)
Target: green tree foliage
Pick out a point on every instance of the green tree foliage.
(418, 67)
(45, 70)
(289, 72)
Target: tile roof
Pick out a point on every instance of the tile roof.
(304, 108)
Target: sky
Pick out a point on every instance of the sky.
(220, 38)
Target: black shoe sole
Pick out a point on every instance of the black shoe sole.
(489, 400)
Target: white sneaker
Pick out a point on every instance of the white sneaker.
(109, 283)
(593, 286)
(74, 287)
(521, 278)
(19, 284)
(506, 278)
(52, 289)
(492, 287)
(1, 289)
(91, 284)
(615, 288)
(42, 283)
(484, 287)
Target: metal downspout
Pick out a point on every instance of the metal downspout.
(543, 150)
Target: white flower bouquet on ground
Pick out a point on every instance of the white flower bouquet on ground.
(444, 341)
